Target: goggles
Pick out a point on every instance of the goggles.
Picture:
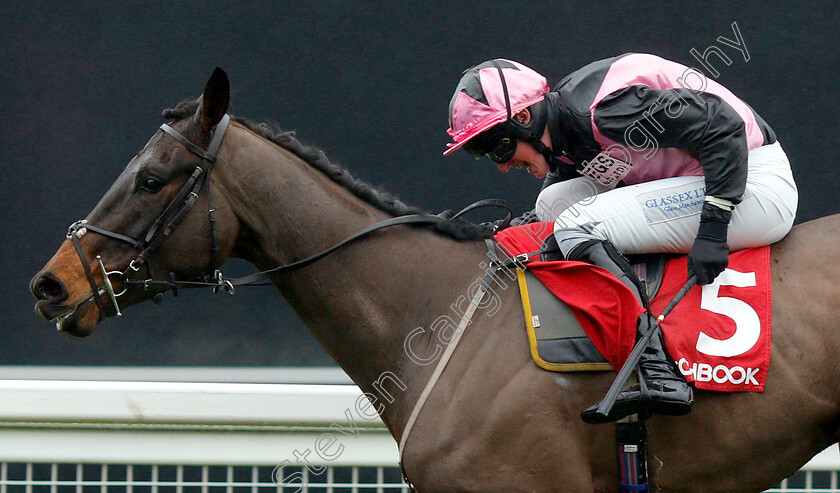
(496, 143)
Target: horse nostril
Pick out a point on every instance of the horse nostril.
(48, 288)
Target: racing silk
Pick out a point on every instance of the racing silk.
(662, 118)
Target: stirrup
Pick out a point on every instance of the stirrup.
(639, 406)
(644, 409)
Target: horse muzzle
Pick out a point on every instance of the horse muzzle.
(78, 319)
(66, 298)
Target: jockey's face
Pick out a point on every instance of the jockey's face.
(528, 157)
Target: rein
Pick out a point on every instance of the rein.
(183, 201)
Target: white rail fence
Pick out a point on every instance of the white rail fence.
(119, 433)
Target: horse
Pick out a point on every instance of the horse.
(382, 307)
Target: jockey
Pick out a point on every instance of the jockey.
(639, 155)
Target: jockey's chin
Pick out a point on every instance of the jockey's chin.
(537, 167)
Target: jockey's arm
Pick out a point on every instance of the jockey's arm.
(701, 122)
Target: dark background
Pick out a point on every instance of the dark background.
(83, 85)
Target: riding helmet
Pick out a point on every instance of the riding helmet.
(487, 97)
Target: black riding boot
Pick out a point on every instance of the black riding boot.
(662, 390)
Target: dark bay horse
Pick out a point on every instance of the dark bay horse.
(494, 421)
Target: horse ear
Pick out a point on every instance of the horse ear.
(214, 102)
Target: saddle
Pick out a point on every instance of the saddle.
(579, 317)
(557, 340)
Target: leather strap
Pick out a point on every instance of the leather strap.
(450, 348)
(208, 155)
(110, 234)
(188, 194)
(73, 234)
(154, 236)
(183, 201)
(444, 359)
(265, 276)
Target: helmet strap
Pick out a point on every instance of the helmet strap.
(504, 88)
(520, 131)
(546, 153)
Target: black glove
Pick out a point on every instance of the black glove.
(492, 226)
(525, 218)
(709, 255)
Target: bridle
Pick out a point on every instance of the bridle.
(161, 228)
(178, 207)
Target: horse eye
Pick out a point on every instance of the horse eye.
(152, 185)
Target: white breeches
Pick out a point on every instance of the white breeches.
(663, 215)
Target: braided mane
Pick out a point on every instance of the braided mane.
(457, 229)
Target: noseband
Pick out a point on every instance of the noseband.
(161, 228)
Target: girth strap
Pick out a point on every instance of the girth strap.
(450, 350)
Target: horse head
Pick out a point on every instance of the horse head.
(159, 221)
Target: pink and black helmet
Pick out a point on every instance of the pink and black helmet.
(487, 96)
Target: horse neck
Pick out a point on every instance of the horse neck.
(363, 300)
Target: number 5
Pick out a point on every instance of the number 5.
(747, 324)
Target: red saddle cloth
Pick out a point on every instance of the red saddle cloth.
(719, 334)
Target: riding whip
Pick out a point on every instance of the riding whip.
(632, 362)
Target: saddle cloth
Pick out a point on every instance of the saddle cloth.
(719, 334)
